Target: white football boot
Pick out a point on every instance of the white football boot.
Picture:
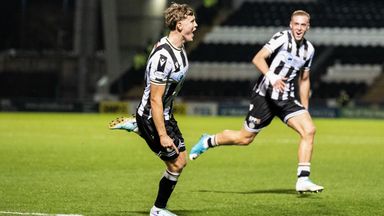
(160, 212)
(125, 123)
(306, 185)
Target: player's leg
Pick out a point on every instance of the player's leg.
(168, 183)
(227, 137)
(174, 162)
(304, 126)
(259, 116)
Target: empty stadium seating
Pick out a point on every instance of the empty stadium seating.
(347, 35)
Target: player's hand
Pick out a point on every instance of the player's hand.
(280, 84)
(276, 81)
(168, 144)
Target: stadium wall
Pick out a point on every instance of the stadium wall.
(239, 108)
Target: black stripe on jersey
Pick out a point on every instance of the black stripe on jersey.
(298, 50)
(279, 67)
(288, 74)
(258, 82)
(147, 107)
(305, 49)
(291, 69)
(168, 95)
(273, 55)
(183, 58)
(279, 35)
(289, 48)
(170, 51)
(156, 49)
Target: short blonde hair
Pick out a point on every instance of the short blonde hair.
(300, 13)
(175, 13)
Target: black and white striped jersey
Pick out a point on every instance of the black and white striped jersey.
(166, 65)
(287, 59)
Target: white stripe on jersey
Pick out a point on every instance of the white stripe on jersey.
(167, 66)
(288, 58)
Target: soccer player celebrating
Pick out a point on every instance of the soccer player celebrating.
(275, 95)
(164, 76)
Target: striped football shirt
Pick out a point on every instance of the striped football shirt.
(287, 59)
(166, 65)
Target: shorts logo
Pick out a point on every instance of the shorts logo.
(298, 103)
(252, 122)
(181, 144)
(250, 107)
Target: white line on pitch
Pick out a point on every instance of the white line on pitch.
(37, 214)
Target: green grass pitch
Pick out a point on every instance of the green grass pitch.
(73, 164)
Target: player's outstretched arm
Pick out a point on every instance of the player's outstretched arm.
(260, 61)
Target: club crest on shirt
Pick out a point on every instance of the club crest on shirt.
(177, 66)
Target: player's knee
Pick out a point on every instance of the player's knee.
(184, 164)
(309, 132)
(245, 141)
(179, 166)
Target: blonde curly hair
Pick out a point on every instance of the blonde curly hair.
(175, 13)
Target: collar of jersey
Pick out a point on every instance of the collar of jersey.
(169, 42)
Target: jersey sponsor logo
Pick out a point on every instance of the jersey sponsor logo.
(161, 65)
(177, 77)
(294, 61)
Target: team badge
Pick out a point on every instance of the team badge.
(177, 66)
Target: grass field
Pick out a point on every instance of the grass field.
(72, 164)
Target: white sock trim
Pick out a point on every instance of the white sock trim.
(173, 176)
(214, 142)
(306, 166)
